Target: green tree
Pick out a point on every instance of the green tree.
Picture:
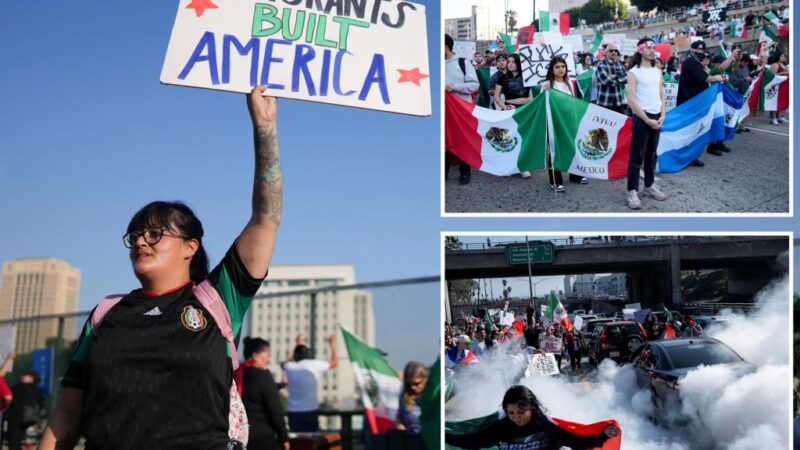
(511, 20)
(462, 291)
(453, 243)
(598, 11)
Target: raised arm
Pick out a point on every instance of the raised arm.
(7, 365)
(334, 358)
(257, 241)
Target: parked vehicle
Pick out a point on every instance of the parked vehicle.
(587, 333)
(616, 340)
(661, 365)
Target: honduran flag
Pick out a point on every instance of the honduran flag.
(555, 312)
(377, 381)
(690, 127)
(588, 140)
(497, 142)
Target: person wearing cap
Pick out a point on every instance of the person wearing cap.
(695, 77)
(646, 99)
(501, 68)
(611, 77)
(721, 65)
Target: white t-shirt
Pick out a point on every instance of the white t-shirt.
(648, 94)
(302, 383)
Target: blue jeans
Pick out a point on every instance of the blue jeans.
(307, 421)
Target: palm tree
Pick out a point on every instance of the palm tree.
(511, 20)
(453, 243)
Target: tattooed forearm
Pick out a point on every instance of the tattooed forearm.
(268, 182)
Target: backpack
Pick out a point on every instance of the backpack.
(238, 427)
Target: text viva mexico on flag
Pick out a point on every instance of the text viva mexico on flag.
(377, 381)
(369, 56)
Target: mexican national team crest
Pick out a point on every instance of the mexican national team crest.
(594, 145)
(501, 140)
(193, 318)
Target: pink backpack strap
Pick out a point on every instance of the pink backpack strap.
(212, 302)
(102, 309)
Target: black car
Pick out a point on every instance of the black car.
(661, 365)
(587, 336)
(615, 340)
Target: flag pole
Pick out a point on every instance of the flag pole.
(530, 279)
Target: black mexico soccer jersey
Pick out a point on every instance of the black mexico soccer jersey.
(156, 373)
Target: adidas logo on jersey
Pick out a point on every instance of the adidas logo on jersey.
(153, 312)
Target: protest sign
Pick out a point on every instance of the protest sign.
(541, 364)
(671, 95)
(575, 42)
(369, 56)
(551, 344)
(664, 50)
(617, 39)
(536, 57)
(578, 323)
(629, 47)
(464, 49)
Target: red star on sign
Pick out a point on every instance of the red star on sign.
(412, 75)
(200, 6)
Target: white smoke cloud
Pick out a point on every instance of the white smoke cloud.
(719, 409)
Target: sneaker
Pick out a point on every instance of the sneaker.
(525, 174)
(584, 180)
(774, 122)
(697, 163)
(783, 120)
(654, 192)
(723, 148)
(633, 200)
(746, 130)
(557, 187)
(463, 179)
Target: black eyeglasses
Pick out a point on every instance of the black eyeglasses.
(151, 236)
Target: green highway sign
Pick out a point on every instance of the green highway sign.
(540, 253)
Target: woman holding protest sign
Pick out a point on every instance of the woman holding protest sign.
(557, 79)
(527, 427)
(152, 369)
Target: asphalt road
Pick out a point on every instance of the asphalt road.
(752, 178)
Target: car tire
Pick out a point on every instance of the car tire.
(633, 343)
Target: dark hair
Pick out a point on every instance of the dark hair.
(33, 374)
(448, 42)
(586, 55)
(774, 57)
(524, 399)
(550, 76)
(518, 63)
(637, 57)
(253, 346)
(300, 353)
(717, 59)
(179, 217)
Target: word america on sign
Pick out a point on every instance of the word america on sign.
(359, 53)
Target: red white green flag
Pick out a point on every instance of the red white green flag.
(378, 382)
(497, 142)
(586, 139)
(774, 92)
(556, 313)
(783, 30)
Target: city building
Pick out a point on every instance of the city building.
(281, 319)
(34, 287)
(584, 285)
(569, 283)
(611, 285)
(473, 28)
(460, 29)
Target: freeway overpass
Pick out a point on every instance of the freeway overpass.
(653, 265)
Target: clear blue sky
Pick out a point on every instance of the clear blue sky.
(88, 135)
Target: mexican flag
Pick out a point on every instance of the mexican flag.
(750, 98)
(586, 139)
(783, 30)
(508, 41)
(483, 98)
(585, 83)
(767, 35)
(430, 404)
(454, 429)
(669, 333)
(774, 92)
(378, 382)
(598, 41)
(497, 142)
(525, 36)
(555, 312)
(554, 22)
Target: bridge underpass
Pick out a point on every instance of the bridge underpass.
(652, 267)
